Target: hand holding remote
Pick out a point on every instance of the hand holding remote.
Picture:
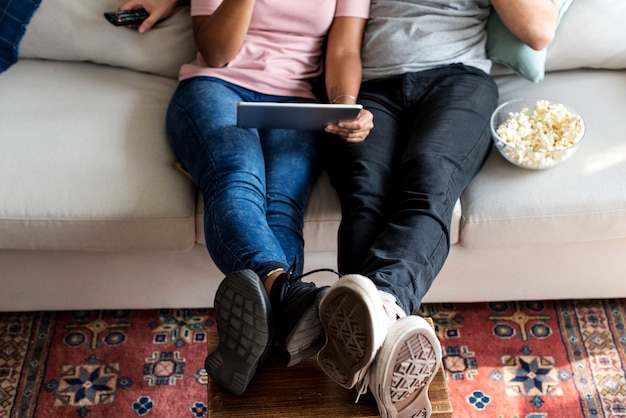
(157, 9)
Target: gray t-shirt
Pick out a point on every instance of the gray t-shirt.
(414, 35)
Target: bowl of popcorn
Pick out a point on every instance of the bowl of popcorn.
(536, 133)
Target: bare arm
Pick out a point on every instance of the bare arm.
(343, 58)
(343, 75)
(158, 9)
(532, 21)
(219, 37)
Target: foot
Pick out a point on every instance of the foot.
(355, 316)
(244, 317)
(405, 366)
(295, 305)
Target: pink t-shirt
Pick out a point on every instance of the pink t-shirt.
(283, 49)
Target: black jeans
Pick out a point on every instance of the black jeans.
(399, 187)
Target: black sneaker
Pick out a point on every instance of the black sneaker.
(299, 333)
(244, 326)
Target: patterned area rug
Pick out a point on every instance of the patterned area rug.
(534, 359)
(503, 360)
(104, 364)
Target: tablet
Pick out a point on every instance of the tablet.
(311, 116)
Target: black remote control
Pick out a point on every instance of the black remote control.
(127, 18)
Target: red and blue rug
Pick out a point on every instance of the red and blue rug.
(502, 360)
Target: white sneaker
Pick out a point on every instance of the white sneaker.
(355, 316)
(406, 363)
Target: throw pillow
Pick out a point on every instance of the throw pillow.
(505, 48)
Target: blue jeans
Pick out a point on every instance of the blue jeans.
(255, 183)
(398, 188)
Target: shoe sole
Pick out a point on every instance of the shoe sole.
(243, 316)
(306, 337)
(349, 314)
(406, 365)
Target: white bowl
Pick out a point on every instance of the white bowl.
(533, 145)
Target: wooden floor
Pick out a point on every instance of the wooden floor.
(304, 391)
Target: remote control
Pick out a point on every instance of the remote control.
(127, 17)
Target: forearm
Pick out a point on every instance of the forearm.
(343, 78)
(343, 60)
(532, 21)
(219, 37)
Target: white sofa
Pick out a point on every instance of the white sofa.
(93, 215)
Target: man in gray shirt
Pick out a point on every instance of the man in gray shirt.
(426, 81)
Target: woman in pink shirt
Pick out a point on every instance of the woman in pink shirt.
(256, 183)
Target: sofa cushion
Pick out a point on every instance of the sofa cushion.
(505, 48)
(583, 199)
(69, 30)
(592, 35)
(85, 163)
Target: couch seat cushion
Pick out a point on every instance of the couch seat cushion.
(85, 164)
(583, 199)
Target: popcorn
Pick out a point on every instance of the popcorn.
(541, 138)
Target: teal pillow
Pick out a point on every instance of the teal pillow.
(504, 48)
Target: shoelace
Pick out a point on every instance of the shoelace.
(292, 276)
(394, 312)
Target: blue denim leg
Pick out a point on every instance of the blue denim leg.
(399, 187)
(255, 183)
